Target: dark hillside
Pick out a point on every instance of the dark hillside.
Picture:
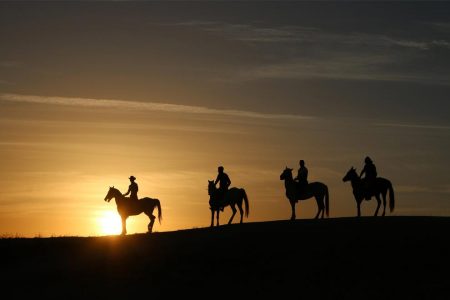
(347, 258)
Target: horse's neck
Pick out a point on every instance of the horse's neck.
(215, 192)
(288, 182)
(118, 196)
(356, 182)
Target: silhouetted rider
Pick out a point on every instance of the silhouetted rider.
(302, 175)
(370, 172)
(132, 189)
(224, 182)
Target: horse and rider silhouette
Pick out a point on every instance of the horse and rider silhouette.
(370, 186)
(223, 196)
(133, 206)
(299, 189)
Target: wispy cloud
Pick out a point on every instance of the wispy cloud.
(304, 34)
(349, 67)
(297, 52)
(353, 67)
(413, 126)
(442, 189)
(441, 43)
(149, 106)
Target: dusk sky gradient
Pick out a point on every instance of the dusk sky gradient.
(93, 92)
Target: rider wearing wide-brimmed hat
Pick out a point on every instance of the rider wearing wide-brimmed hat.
(132, 189)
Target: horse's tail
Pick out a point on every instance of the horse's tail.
(327, 201)
(247, 208)
(391, 197)
(158, 205)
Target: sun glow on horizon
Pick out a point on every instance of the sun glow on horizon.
(109, 223)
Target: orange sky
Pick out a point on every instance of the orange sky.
(60, 155)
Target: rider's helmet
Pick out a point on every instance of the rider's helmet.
(367, 160)
(220, 169)
(132, 177)
(302, 162)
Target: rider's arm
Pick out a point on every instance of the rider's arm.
(362, 172)
(129, 191)
(217, 180)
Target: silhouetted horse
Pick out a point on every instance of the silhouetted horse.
(127, 207)
(381, 186)
(318, 190)
(234, 196)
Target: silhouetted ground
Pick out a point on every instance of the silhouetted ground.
(345, 258)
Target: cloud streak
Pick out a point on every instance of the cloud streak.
(145, 106)
(348, 67)
(298, 52)
(412, 126)
(304, 34)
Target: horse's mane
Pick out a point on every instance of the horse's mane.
(116, 190)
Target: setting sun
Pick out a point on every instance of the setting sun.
(109, 223)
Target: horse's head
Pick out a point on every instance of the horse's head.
(211, 187)
(287, 174)
(351, 174)
(112, 192)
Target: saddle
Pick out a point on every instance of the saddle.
(368, 188)
(302, 188)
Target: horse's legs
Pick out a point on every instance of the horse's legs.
(212, 217)
(318, 211)
(377, 196)
(232, 215)
(358, 206)
(322, 206)
(293, 209)
(152, 218)
(241, 211)
(124, 225)
(319, 207)
(217, 216)
(150, 225)
(384, 203)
